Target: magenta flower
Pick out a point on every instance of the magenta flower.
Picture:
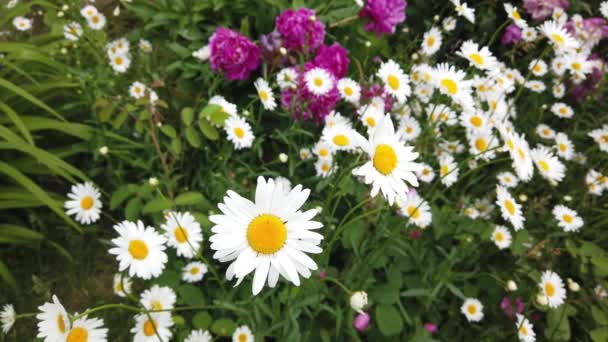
(361, 321)
(306, 105)
(322, 275)
(541, 9)
(383, 16)
(512, 35)
(233, 54)
(333, 58)
(298, 31)
(430, 327)
(507, 308)
(415, 234)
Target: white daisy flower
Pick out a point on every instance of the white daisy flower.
(560, 16)
(239, 132)
(431, 42)
(426, 174)
(334, 118)
(242, 334)
(509, 208)
(53, 321)
(596, 182)
(482, 144)
(449, 24)
(145, 46)
(547, 164)
(183, 233)
(323, 150)
(120, 63)
(424, 91)
(451, 82)
(318, 81)
(416, 209)
(396, 82)
(287, 77)
(284, 183)
(323, 167)
(391, 163)
(513, 13)
(194, 272)
(72, 31)
(538, 67)
(88, 11)
(409, 129)
(545, 131)
(561, 40)
(137, 90)
(529, 34)
(305, 153)
(265, 94)
(463, 10)
(480, 58)
(84, 203)
(604, 9)
(525, 329)
(88, 330)
(536, 86)
(97, 21)
(600, 135)
(553, 288)
(475, 121)
(451, 147)
(342, 137)
(370, 117)
(22, 23)
(158, 298)
(199, 336)
(118, 47)
(559, 90)
(8, 316)
(150, 329)
(140, 249)
(501, 237)
(227, 107)
(442, 113)
(448, 170)
(507, 179)
(269, 236)
(472, 309)
(350, 91)
(579, 65)
(519, 150)
(121, 285)
(567, 219)
(564, 146)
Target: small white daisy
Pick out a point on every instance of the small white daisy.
(53, 321)
(567, 219)
(409, 129)
(305, 153)
(545, 131)
(194, 272)
(97, 21)
(431, 41)
(480, 58)
(525, 329)
(561, 40)
(549, 166)
(350, 91)
(426, 174)
(538, 67)
(137, 90)
(87, 330)
(22, 23)
(600, 135)
(84, 202)
(448, 170)
(88, 11)
(536, 86)
(239, 132)
(416, 209)
(149, 329)
(120, 63)
(7, 317)
(501, 237)
(513, 13)
(145, 46)
(449, 24)
(324, 167)
(203, 53)
(323, 150)
(507, 179)
(553, 288)
(564, 146)
(287, 78)
(451, 81)
(396, 82)
(183, 233)
(318, 81)
(472, 309)
(242, 334)
(227, 107)
(559, 90)
(529, 34)
(72, 31)
(265, 94)
(509, 208)
(158, 298)
(463, 10)
(342, 137)
(199, 336)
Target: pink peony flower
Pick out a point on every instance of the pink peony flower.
(298, 31)
(233, 54)
(512, 35)
(541, 9)
(383, 15)
(361, 321)
(333, 58)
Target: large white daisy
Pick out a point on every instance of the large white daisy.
(567, 219)
(318, 81)
(480, 58)
(549, 166)
(84, 202)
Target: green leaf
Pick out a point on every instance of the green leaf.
(133, 208)
(17, 121)
(106, 112)
(7, 276)
(599, 335)
(388, 319)
(176, 146)
(558, 324)
(223, 327)
(192, 136)
(156, 205)
(14, 234)
(385, 294)
(189, 198)
(209, 110)
(169, 131)
(121, 194)
(209, 131)
(190, 294)
(187, 115)
(218, 118)
(31, 98)
(202, 320)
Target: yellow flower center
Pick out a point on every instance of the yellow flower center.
(242, 338)
(543, 165)
(323, 152)
(264, 95)
(86, 202)
(60, 323)
(341, 140)
(523, 330)
(576, 66)
(549, 290)
(521, 153)
(450, 86)
(510, 207)
(444, 170)
(425, 172)
(385, 159)
(510, 144)
(95, 19)
(516, 15)
(348, 91)
(194, 270)
(138, 249)
(370, 122)
(181, 235)
(537, 68)
(325, 167)
(471, 309)
(476, 121)
(413, 212)
(77, 334)
(562, 147)
(239, 132)
(546, 131)
(481, 145)
(475, 57)
(499, 237)
(156, 305)
(557, 38)
(118, 60)
(408, 129)
(430, 41)
(150, 328)
(567, 218)
(393, 82)
(266, 234)
(119, 288)
(318, 82)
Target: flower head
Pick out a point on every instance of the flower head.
(233, 54)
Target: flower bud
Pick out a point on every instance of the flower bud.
(368, 43)
(283, 158)
(573, 286)
(283, 51)
(104, 150)
(361, 321)
(541, 299)
(153, 181)
(358, 301)
(511, 285)
(430, 327)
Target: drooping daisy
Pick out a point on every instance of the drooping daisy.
(22, 23)
(416, 209)
(122, 285)
(409, 129)
(449, 24)
(451, 82)
(513, 13)
(529, 34)
(242, 334)
(265, 94)
(158, 298)
(426, 174)
(538, 67)
(97, 21)
(323, 150)
(431, 42)
(137, 90)
(150, 329)
(452, 147)
(525, 329)
(324, 167)
(519, 151)
(72, 31)
(390, 164)
(480, 58)
(536, 86)
(318, 81)
(545, 131)
(183, 233)
(194, 271)
(227, 107)
(484, 206)
(559, 90)
(286, 78)
(472, 309)
(547, 164)
(553, 288)
(396, 82)
(561, 40)
(509, 208)
(239, 132)
(600, 135)
(199, 336)
(567, 218)
(140, 249)
(88, 11)
(87, 330)
(84, 202)
(342, 137)
(507, 179)
(269, 236)
(463, 10)
(7, 317)
(470, 212)
(501, 237)
(596, 182)
(349, 90)
(120, 63)
(53, 321)
(448, 170)
(564, 146)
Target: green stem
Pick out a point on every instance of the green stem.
(339, 283)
